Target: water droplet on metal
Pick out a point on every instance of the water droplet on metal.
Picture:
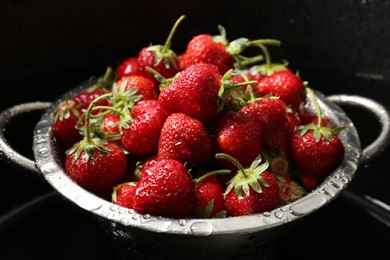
(124, 221)
(201, 228)
(279, 214)
(86, 201)
(48, 168)
(308, 204)
(43, 151)
(181, 222)
(114, 208)
(146, 216)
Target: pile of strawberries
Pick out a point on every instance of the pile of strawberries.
(208, 133)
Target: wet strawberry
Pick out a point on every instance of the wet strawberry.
(289, 190)
(160, 58)
(126, 68)
(142, 136)
(66, 115)
(184, 139)
(194, 92)
(284, 84)
(238, 135)
(210, 202)
(85, 97)
(217, 50)
(252, 190)
(316, 150)
(271, 113)
(94, 163)
(98, 170)
(165, 189)
(123, 194)
(145, 86)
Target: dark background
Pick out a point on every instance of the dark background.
(48, 47)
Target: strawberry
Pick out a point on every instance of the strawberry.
(145, 86)
(142, 136)
(160, 58)
(239, 135)
(165, 189)
(111, 127)
(143, 164)
(271, 113)
(278, 79)
(184, 139)
(209, 191)
(85, 97)
(123, 194)
(94, 163)
(194, 92)
(252, 190)
(285, 84)
(294, 121)
(205, 48)
(126, 68)
(66, 116)
(316, 150)
(289, 190)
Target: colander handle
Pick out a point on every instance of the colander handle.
(382, 114)
(10, 155)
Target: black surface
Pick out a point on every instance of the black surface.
(50, 227)
(339, 47)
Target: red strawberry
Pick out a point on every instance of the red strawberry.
(112, 129)
(126, 68)
(238, 135)
(145, 86)
(284, 84)
(184, 139)
(141, 165)
(294, 121)
(289, 190)
(316, 153)
(165, 189)
(160, 58)
(316, 150)
(251, 190)
(313, 119)
(85, 97)
(194, 92)
(142, 136)
(272, 115)
(94, 163)
(205, 48)
(66, 115)
(202, 49)
(210, 202)
(98, 169)
(123, 194)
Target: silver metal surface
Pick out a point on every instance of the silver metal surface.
(157, 236)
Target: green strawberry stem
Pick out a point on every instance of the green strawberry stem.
(246, 178)
(88, 114)
(318, 129)
(233, 160)
(266, 54)
(248, 61)
(315, 101)
(217, 172)
(107, 79)
(160, 78)
(272, 42)
(167, 44)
